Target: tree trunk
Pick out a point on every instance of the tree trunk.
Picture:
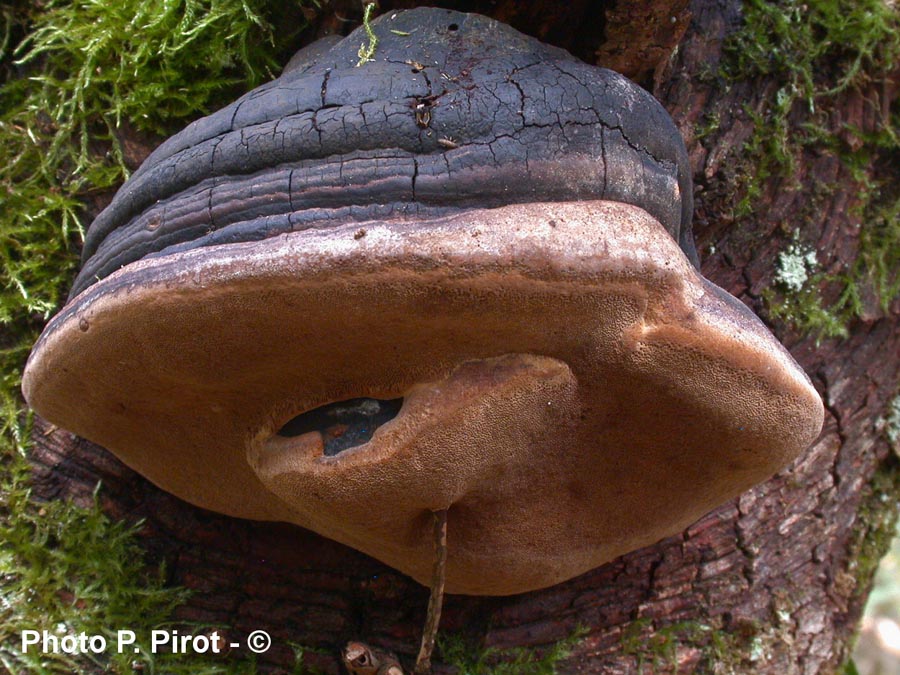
(772, 582)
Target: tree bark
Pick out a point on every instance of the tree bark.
(772, 582)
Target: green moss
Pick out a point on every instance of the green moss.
(152, 63)
(805, 310)
(367, 51)
(469, 659)
(875, 526)
(794, 296)
(68, 569)
(815, 51)
(873, 533)
(91, 66)
(656, 647)
(708, 126)
(891, 422)
(732, 650)
(84, 68)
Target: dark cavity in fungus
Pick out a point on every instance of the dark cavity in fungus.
(344, 424)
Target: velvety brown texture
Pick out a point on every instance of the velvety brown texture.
(573, 388)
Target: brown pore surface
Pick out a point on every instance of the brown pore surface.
(573, 388)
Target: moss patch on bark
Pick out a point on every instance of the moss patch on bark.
(818, 51)
(73, 75)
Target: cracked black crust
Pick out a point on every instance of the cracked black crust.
(462, 112)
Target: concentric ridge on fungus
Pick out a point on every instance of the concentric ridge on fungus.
(458, 277)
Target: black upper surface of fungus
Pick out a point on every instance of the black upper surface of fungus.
(456, 111)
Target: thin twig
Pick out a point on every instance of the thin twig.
(436, 601)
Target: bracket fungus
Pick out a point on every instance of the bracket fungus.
(460, 277)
